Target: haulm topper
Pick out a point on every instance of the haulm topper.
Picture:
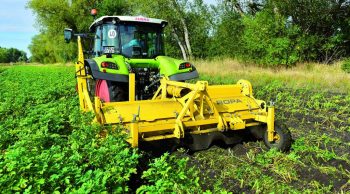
(129, 82)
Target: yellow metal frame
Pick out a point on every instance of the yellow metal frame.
(178, 108)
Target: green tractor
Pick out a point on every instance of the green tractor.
(129, 44)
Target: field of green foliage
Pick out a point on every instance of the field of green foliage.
(48, 145)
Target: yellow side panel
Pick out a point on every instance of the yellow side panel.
(223, 91)
(229, 98)
(234, 103)
(147, 110)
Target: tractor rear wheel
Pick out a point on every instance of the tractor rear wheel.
(282, 140)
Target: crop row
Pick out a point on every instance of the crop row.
(48, 145)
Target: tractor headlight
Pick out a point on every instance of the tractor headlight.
(109, 65)
(185, 66)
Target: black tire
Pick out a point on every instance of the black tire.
(285, 138)
(91, 83)
(117, 91)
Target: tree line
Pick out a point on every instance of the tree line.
(12, 55)
(264, 32)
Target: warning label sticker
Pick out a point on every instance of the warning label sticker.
(112, 33)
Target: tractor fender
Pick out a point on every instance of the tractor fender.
(184, 76)
(171, 67)
(97, 74)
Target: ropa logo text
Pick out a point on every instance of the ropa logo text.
(228, 101)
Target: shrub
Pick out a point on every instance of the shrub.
(346, 66)
(168, 174)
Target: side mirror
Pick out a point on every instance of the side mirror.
(68, 33)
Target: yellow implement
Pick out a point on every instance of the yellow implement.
(179, 109)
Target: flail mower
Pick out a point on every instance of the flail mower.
(128, 81)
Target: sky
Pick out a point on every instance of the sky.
(17, 24)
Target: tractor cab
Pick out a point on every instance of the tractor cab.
(131, 36)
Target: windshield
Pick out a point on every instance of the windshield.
(106, 39)
(140, 41)
(131, 40)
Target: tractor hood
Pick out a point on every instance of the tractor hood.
(173, 68)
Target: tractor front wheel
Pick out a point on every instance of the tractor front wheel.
(282, 138)
(109, 91)
(91, 83)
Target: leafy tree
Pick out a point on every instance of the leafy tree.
(269, 40)
(12, 55)
(201, 25)
(188, 24)
(3, 55)
(55, 15)
(113, 7)
(324, 26)
(233, 28)
(44, 49)
(297, 25)
(227, 32)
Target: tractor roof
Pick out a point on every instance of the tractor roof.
(140, 19)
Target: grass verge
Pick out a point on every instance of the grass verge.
(318, 77)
